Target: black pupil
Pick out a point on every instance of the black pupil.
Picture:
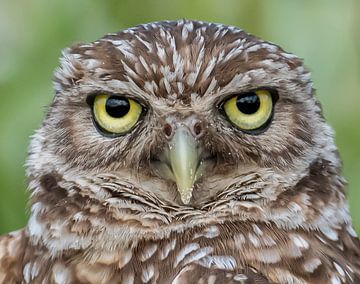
(117, 106)
(248, 103)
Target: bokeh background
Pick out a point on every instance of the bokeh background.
(32, 33)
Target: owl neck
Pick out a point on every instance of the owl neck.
(69, 214)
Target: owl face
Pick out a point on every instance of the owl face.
(187, 113)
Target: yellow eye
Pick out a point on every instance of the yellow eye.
(116, 114)
(250, 111)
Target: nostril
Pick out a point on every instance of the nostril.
(198, 129)
(168, 130)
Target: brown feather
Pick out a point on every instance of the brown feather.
(269, 208)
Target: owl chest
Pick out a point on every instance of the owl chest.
(162, 261)
(159, 262)
(222, 253)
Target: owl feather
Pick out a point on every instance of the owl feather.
(183, 152)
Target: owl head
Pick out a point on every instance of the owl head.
(183, 118)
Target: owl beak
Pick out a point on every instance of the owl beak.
(184, 157)
(182, 162)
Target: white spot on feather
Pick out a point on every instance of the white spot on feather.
(184, 33)
(209, 68)
(209, 233)
(293, 206)
(148, 252)
(130, 71)
(161, 53)
(199, 254)
(144, 64)
(268, 241)
(311, 265)
(329, 233)
(248, 204)
(339, 269)
(151, 87)
(125, 258)
(167, 85)
(180, 87)
(211, 279)
(257, 230)
(61, 274)
(351, 231)
(34, 270)
(300, 242)
(125, 48)
(129, 278)
(268, 256)
(211, 87)
(270, 47)
(184, 252)
(335, 280)
(189, 25)
(167, 249)
(26, 273)
(35, 227)
(240, 277)
(239, 240)
(254, 240)
(147, 273)
(92, 63)
(178, 62)
(220, 262)
(288, 55)
(145, 43)
(350, 269)
(233, 53)
(253, 48)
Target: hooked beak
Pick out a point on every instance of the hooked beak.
(182, 162)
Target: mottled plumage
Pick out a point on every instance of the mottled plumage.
(264, 206)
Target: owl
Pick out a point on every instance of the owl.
(183, 152)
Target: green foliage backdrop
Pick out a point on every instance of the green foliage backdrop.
(32, 33)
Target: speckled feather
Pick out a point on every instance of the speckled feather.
(271, 207)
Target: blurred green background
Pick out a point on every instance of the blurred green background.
(32, 33)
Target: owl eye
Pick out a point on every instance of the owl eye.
(250, 111)
(116, 114)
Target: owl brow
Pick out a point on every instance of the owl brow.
(226, 96)
(115, 85)
(91, 96)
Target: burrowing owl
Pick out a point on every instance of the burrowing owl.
(183, 152)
